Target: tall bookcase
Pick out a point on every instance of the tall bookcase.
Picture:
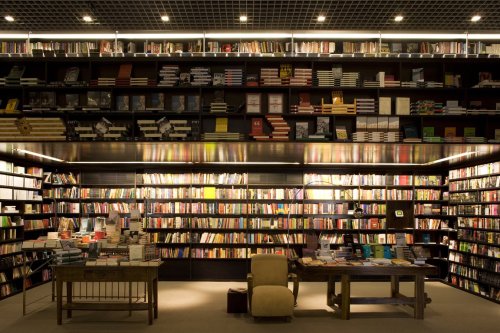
(475, 256)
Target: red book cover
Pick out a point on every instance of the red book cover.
(257, 127)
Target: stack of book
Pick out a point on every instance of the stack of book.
(350, 79)
(14, 77)
(103, 81)
(280, 127)
(324, 78)
(31, 81)
(269, 77)
(233, 77)
(218, 107)
(169, 76)
(301, 77)
(221, 132)
(201, 76)
(433, 84)
(343, 108)
(32, 129)
(139, 81)
(69, 256)
(365, 105)
(124, 73)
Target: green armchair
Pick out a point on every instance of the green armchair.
(268, 292)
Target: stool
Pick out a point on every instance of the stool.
(237, 300)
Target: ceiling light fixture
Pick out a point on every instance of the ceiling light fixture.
(23, 151)
(263, 35)
(165, 18)
(321, 18)
(130, 162)
(73, 36)
(398, 18)
(475, 18)
(243, 18)
(159, 36)
(87, 19)
(9, 18)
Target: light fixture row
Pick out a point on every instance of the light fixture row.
(244, 18)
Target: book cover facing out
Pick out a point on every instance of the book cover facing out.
(193, 103)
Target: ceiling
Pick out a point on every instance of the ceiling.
(202, 15)
(298, 153)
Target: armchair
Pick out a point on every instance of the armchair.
(268, 292)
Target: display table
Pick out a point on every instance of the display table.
(81, 273)
(344, 300)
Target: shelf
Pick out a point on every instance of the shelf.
(473, 292)
(478, 242)
(18, 174)
(475, 267)
(12, 227)
(475, 254)
(10, 254)
(14, 240)
(473, 177)
(482, 229)
(477, 281)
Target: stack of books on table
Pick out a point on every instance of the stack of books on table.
(68, 256)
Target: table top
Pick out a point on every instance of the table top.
(347, 268)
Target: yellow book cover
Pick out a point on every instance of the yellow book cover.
(221, 125)
(209, 192)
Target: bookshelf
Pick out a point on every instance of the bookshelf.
(370, 97)
(21, 218)
(475, 256)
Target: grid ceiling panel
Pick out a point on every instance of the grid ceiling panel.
(127, 15)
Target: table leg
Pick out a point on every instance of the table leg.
(419, 297)
(53, 285)
(130, 298)
(69, 296)
(59, 286)
(394, 285)
(150, 302)
(346, 296)
(330, 293)
(155, 297)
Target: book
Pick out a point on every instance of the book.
(257, 127)
(221, 125)
(193, 103)
(301, 130)
(253, 103)
(469, 132)
(410, 131)
(384, 106)
(122, 103)
(402, 105)
(138, 103)
(428, 131)
(178, 103)
(93, 98)
(323, 125)
(341, 133)
(105, 100)
(71, 74)
(275, 103)
(157, 102)
(12, 104)
(450, 132)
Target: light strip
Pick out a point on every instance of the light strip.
(423, 36)
(159, 36)
(484, 36)
(248, 35)
(335, 35)
(255, 163)
(73, 36)
(450, 158)
(362, 163)
(130, 162)
(13, 36)
(37, 155)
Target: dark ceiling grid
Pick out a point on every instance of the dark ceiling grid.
(204, 15)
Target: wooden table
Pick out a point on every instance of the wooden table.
(344, 300)
(80, 273)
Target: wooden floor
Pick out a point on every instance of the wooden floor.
(201, 307)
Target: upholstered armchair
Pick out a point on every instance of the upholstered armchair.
(268, 292)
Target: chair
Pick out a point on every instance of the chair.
(268, 292)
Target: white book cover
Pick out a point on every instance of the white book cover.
(384, 106)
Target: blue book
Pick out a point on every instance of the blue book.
(178, 103)
(193, 103)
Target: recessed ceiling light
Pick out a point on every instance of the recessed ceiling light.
(165, 18)
(87, 18)
(9, 18)
(243, 18)
(398, 18)
(321, 18)
(475, 18)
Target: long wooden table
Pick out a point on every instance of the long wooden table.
(80, 273)
(344, 300)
